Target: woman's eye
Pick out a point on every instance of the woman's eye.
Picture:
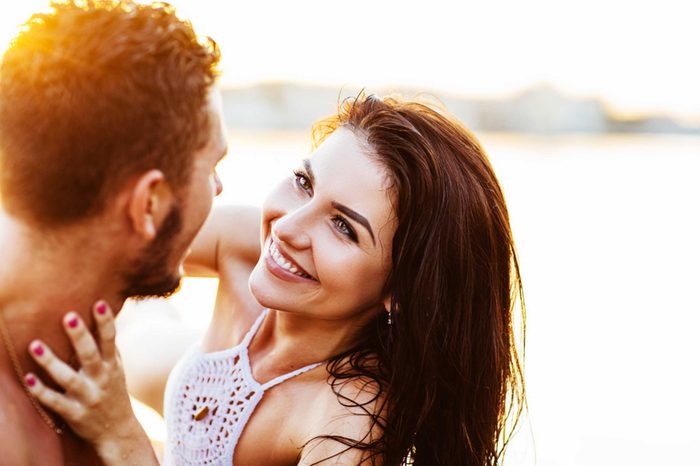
(302, 181)
(344, 228)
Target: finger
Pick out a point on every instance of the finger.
(60, 372)
(105, 327)
(83, 343)
(56, 402)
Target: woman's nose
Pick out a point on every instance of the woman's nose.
(293, 230)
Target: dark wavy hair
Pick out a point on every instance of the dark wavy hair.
(445, 377)
(93, 93)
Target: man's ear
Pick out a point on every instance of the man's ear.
(149, 203)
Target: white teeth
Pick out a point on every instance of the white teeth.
(284, 263)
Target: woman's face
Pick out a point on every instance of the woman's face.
(326, 235)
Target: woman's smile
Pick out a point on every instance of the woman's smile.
(281, 265)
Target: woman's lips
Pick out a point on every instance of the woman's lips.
(284, 267)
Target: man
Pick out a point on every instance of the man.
(110, 132)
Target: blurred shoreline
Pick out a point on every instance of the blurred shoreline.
(540, 109)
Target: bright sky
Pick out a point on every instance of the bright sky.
(638, 55)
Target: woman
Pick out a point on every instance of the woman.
(389, 275)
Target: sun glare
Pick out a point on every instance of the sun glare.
(13, 15)
(636, 56)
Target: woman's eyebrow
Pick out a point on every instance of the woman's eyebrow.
(355, 216)
(343, 208)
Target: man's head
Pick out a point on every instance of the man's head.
(102, 99)
(155, 270)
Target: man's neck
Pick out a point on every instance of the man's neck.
(41, 279)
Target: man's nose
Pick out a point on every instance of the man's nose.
(219, 185)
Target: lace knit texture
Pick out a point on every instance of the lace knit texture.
(222, 385)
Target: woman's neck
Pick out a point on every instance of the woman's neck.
(287, 341)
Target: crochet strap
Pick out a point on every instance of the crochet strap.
(254, 329)
(278, 380)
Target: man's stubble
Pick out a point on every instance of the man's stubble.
(152, 274)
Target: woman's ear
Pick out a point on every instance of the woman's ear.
(149, 203)
(387, 303)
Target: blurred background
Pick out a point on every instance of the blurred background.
(590, 112)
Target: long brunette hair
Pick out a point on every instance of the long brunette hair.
(447, 378)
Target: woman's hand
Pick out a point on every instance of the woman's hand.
(96, 403)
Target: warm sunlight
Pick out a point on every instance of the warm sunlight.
(13, 14)
(637, 56)
(590, 113)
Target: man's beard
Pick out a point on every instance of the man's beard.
(150, 275)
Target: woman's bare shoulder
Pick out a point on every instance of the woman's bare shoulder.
(348, 411)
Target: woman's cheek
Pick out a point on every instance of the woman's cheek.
(344, 269)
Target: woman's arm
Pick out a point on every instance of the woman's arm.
(96, 403)
(230, 232)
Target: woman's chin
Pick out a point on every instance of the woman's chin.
(261, 288)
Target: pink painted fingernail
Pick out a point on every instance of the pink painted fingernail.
(38, 349)
(102, 308)
(30, 380)
(73, 322)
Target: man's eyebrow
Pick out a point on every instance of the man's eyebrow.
(309, 171)
(355, 216)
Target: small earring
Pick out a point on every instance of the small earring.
(388, 317)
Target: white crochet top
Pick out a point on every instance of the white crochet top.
(208, 401)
